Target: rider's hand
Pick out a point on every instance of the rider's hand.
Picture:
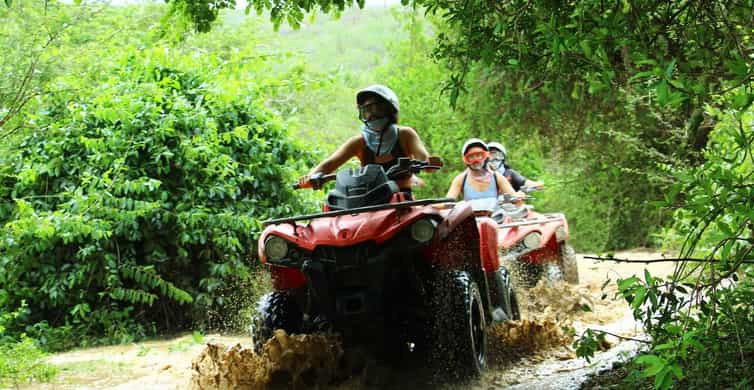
(303, 182)
(313, 181)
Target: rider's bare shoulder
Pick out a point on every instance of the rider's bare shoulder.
(406, 132)
(355, 146)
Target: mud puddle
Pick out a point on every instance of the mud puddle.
(318, 361)
(286, 361)
(534, 353)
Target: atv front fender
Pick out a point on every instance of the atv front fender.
(459, 213)
(458, 248)
(488, 244)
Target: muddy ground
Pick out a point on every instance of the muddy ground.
(534, 353)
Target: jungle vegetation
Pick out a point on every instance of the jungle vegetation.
(143, 144)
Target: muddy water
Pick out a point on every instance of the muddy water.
(307, 361)
(286, 361)
(535, 352)
(531, 354)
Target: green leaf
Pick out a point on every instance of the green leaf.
(513, 61)
(8, 3)
(625, 284)
(585, 48)
(662, 92)
(663, 380)
(648, 278)
(626, 6)
(639, 299)
(669, 70)
(654, 365)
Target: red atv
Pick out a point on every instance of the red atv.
(399, 277)
(532, 244)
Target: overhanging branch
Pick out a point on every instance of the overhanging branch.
(664, 260)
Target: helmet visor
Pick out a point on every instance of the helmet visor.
(374, 110)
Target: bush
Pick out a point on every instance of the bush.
(20, 361)
(136, 209)
(23, 362)
(701, 320)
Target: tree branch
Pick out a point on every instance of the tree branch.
(689, 259)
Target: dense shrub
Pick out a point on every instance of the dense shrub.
(135, 207)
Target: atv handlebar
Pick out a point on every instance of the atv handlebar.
(528, 190)
(405, 167)
(513, 198)
(315, 181)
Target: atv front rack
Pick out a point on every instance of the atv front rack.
(358, 210)
(545, 219)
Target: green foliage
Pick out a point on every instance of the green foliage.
(700, 319)
(21, 361)
(589, 48)
(136, 210)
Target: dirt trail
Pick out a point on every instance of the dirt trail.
(534, 353)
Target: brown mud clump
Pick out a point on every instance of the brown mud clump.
(549, 309)
(556, 301)
(286, 362)
(515, 339)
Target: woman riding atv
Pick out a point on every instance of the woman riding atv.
(381, 140)
(477, 181)
(497, 163)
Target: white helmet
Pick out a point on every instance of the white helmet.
(381, 91)
(500, 147)
(473, 142)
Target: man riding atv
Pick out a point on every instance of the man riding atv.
(381, 140)
(497, 163)
(477, 181)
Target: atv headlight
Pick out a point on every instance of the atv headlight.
(275, 248)
(423, 230)
(532, 240)
(560, 233)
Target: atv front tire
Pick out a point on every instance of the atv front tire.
(513, 310)
(459, 347)
(275, 310)
(503, 294)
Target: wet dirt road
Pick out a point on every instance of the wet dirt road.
(543, 358)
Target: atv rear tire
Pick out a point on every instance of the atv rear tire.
(459, 337)
(276, 310)
(569, 264)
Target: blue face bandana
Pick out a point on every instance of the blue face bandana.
(380, 142)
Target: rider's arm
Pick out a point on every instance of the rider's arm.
(533, 183)
(503, 186)
(516, 179)
(455, 187)
(344, 153)
(413, 144)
